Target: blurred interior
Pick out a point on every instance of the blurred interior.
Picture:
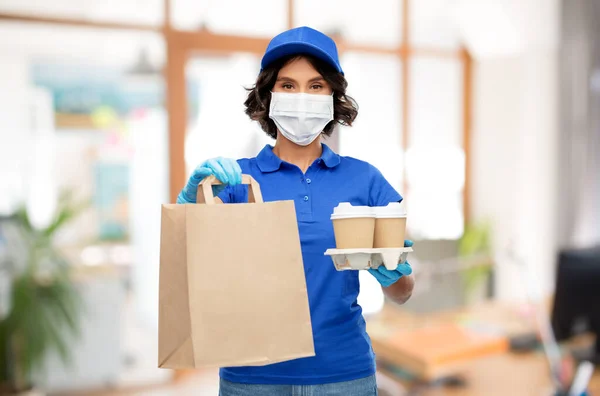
(484, 115)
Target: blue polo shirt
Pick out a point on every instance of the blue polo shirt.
(342, 346)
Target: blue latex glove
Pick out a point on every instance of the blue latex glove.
(227, 170)
(386, 277)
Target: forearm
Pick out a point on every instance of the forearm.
(400, 291)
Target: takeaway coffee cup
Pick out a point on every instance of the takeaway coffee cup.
(354, 226)
(390, 226)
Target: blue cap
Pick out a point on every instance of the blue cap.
(302, 40)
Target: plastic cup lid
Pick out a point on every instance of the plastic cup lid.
(346, 211)
(392, 210)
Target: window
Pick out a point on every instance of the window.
(219, 126)
(432, 24)
(262, 18)
(435, 159)
(359, 22)
(375, 83)
(146, 12)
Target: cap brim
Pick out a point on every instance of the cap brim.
(298, 48)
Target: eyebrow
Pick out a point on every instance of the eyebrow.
(314, 79)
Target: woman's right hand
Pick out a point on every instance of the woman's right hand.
(227, 170)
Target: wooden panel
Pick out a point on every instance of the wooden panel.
(291, 14)
(405, 22)
(344, 46)
(77, 22)
(434, 52)
(467, 123)
(206, 41)
(177, 110)
(404, 54)
(167, 12)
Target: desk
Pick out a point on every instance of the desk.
(506, 374)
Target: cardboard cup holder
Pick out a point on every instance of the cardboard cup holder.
(362, 259)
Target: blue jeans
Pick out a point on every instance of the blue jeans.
(360, 387)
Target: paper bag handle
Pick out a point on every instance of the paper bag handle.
(205, 194)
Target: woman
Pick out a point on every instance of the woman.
(299, 95)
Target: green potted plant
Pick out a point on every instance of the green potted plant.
(44, 312)
(474, 249)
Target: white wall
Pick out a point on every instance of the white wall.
(149, 181)
(515, 160)
(515, 157)
(15, 131)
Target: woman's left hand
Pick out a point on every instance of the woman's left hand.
(386, 277)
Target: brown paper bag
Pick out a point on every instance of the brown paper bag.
(232, 284)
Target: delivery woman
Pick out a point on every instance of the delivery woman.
(299, 95)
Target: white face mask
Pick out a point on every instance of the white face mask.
(301, 117)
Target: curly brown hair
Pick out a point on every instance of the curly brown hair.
(345, 109)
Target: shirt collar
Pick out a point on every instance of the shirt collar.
(329, 157)
(268, 162)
